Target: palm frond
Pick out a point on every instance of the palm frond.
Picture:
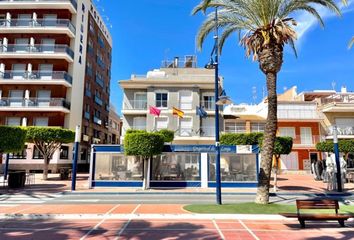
(263, 22)
(351, 43)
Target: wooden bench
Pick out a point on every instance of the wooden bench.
(318, 204)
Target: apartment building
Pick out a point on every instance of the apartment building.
(55, 62)
(114, 126)
(296, 118)
(180, 84)
(337, 109)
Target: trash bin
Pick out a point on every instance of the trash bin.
(16, 179)
(64, 174)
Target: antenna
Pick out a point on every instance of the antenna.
(254, 94)
(334, 85)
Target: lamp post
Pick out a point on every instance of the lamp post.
(75, 157)
(336, 153)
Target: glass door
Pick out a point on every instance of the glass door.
(46, 71)
(18, 71)
(43, 97)
(16, 98)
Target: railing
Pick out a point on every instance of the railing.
(99, 80)
(98, 100)
(73, 2)
(37, 23)
(298, 114)
(339, 98)
(208, 105)
(37, 48)
(34, 103)
(36, 75)
(139, 127)
(306, 140)
(135, 105)
(87, 115)
(207, 131)
(97, 120)
(100, 62)
(185, 132)
(341, 130)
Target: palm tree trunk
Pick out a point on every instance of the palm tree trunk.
(268, 142)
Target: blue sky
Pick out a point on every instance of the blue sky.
(147, 31)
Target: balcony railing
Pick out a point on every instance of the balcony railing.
(235, 129)
(36, 49)
(97, 120)
(208, 105)
(135, 105)
(339, 98)
(139, 127)
(37, 23)
(341, 131)
(185, 132)
(207, 131)
(34, 103)
(36, 75)
(98, 100)
(73, 2)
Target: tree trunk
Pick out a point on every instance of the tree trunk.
(276, 169)
(45, 168)
(270, 62)
(145, 173)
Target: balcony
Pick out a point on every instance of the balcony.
(36, 77)
(52, 26)
(97, 120)
(135, 106)
(185, 132)
(87, 116)
(343, 102)
(207, 131)
(37, 51)
(35, 104)
(70, 5)
(342, 132)
(98, 100)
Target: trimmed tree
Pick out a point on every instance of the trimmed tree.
(47, 140)
(144, 145)
(168, 135)
(345, 146)
(12, 139)
(241, 138)
(282, 146)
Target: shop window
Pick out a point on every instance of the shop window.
(19, 155)
(37, 154)
(64, 152)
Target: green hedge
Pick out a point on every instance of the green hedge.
(167, 134)
(241, 138)
(12, 139)
(345, 146)
(49, 134)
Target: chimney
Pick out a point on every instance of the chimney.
(344, 89)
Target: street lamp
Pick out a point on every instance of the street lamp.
(214, 64)
(75, 157)
(336, 153)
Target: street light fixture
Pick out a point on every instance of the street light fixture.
(214, 64)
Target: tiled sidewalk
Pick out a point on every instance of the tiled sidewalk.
(150, 222)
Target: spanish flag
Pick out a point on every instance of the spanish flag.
(177, 112)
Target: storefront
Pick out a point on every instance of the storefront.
(177, 166)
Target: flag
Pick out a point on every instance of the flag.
(178, 112)
(201, 112)
(154, 111)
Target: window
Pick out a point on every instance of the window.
(161, 123)
(235, 127)
(208, 102)
(41, 122)
(37, 154)
(306, 135)
(140, 101)
(19, 155)
(97, 113)
(139, 123)
(287, 132)
(186, 99)
(161, 100)
(13, 121)
(64, 152)
(185, 127)
(257, 127)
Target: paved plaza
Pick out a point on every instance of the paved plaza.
(49, 210)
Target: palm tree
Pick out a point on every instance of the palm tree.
(266, 25)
